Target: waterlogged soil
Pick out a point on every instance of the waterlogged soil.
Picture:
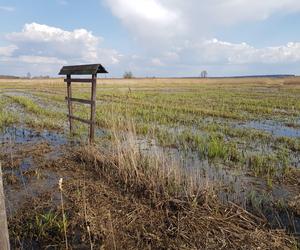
(19, 135)
(233, 185)
(28, 157)
(42, 102)
(275, 128)
(24, 154)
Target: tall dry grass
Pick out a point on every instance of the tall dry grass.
(153, 176)
(173, 198)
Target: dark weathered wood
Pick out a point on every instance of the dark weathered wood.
(78, 80)
(80, 100)
(83, 69)
(4, 237)
(91, 69)
(79, 119)
(93, 108)
(70, 108)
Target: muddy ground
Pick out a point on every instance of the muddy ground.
(101, 212)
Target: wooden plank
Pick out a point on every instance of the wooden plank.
(79, 119)
(93, 108)
(79, 100)
(4, 237)
(78, 80)
(70, 108)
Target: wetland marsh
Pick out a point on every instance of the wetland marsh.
(222, 151)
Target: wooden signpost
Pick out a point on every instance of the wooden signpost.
(4, 238)
(93, 70)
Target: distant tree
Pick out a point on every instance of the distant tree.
(128, 75)
(204, 74)
(28, 75)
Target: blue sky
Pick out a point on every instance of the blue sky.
(151, 37)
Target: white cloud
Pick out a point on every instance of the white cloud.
(148, 10)
(43, 44)
(33, 60)
(219, 58)
(7, 8)
(216, 52)
(162, 24)
(52, 41)
(193, 17)
(157, 62)
(41, 59)
(229, 12)
(176, 35)
(8, 50)
(147, 19)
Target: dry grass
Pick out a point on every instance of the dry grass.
(158, 209)
(118, 198)
(157, 206)
(150, 82)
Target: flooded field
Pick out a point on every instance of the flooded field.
(237, 144)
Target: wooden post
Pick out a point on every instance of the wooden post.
(70, 108)
(4, 237)
(93, 108)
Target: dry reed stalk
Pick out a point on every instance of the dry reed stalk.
(112, 231)
(60, 184)
(85, 212)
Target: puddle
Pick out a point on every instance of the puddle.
(14, 108)
(230, 185)
(17, 93)
(24, 135)
(210, 171)
(16, 195)
(55, 107)
(28, 179)
(272, 127)
(26, 164)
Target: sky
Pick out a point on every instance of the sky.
(151, 38)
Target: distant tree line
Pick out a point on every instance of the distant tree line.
(8, 77)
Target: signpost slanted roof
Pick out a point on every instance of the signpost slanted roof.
(88, 69)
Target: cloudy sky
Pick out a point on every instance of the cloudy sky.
(151, 37)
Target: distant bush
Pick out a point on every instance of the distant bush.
(128, 75)
(204, 74)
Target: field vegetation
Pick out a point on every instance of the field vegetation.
(177, 163)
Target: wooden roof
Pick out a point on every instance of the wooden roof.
(83, 69)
